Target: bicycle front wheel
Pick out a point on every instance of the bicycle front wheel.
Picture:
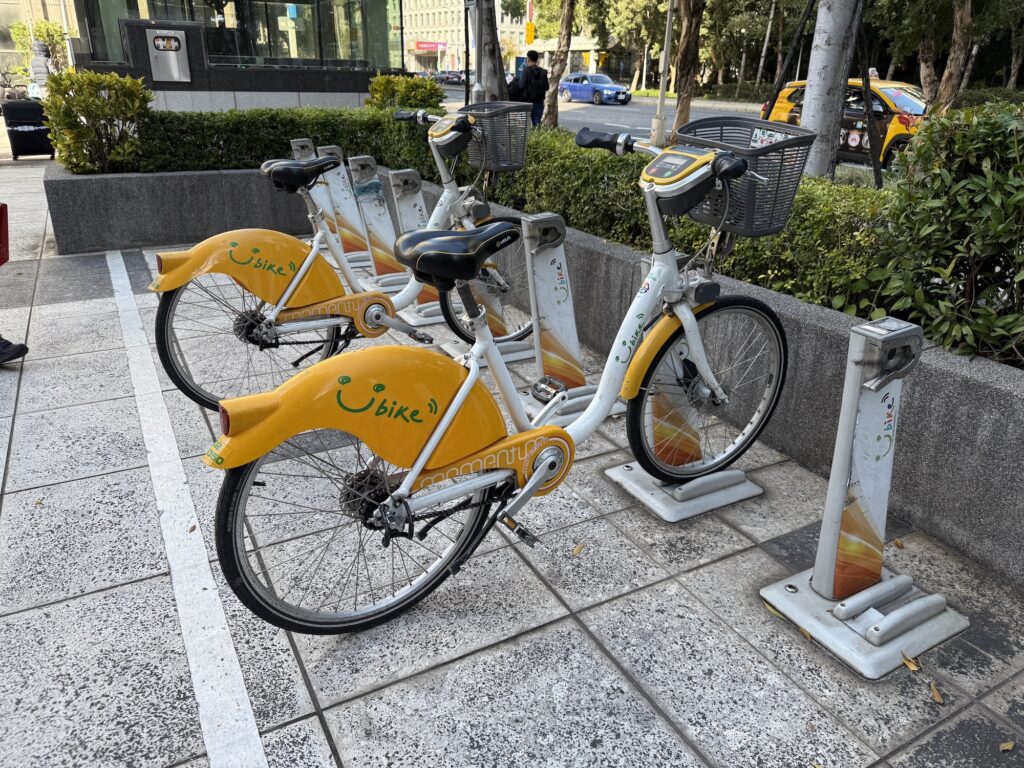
(503, 290)
(677, 429)
(301, 547)
(206, 343)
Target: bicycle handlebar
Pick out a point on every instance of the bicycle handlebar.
(404, 115)
(619, 143)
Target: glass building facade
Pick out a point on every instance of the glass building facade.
(310, 33)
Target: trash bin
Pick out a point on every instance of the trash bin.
(26, 130)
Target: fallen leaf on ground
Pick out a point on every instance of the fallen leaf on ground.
(1006, 746)
(191, 529)
(772, 611)
(912, 664)
(805, 633)
(936, 696)
(39, 502)
(578, 549)
(898, 543)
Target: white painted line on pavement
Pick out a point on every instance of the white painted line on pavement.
(617, 125)
(225, 712)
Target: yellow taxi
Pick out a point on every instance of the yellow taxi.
(899, 109)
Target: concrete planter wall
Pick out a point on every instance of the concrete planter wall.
(139, 210)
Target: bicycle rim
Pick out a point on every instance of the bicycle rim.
(676, 429)
(299, 546)
(201, 336)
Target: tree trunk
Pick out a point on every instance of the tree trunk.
(687, 60)
(672, 70)
(965, 81)
(743, 69)
(550, 118)
(1016, 55)
(637, 64)
(891, 72)
(764, 48)
(831, 51)
(721, 75)
(926, 63)
(959, 52)
(781, 45)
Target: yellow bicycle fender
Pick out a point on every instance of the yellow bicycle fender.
(260, 260)
(516, 452)
(654, 339)
(390, 397)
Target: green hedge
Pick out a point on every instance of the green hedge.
(940, 245)
(975, 97)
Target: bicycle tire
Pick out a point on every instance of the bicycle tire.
(231, 531)
(168, 359)
(452, 316)
(640, 430)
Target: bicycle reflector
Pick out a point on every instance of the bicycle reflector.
(225, 420)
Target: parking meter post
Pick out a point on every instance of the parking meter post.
(848, 601)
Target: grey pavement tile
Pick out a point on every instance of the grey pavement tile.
(970, 740)
(69, 443)
(299, 744)
(75, 278)
(5, 437)
(86, 308)
(558, 509)
(591, 562)
(547, 698)
(204, 484)
(679, 546)
(1008, 701)
(14, 322)
(9, 377)
(70, 335)
(595, 445)
(757, 456)
(271, 673)
(992, 649)
(491, 598)
(191, 429)
(884, 713)
(17, 284)
(66, 539)
(101, 680)
(161, 374)
(588, 479)
(793, 497)
(732, 702)
(614, 428)
(74, 379)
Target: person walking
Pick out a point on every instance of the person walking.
(533, 85)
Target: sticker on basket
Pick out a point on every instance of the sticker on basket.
(763, 137)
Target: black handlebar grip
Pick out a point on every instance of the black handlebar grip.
(589, 139)
(727, 166)
(405, 115)
(462, 125)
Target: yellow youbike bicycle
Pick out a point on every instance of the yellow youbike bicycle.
(358, 486)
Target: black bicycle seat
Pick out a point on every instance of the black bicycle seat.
(440, 257)
(293, 175)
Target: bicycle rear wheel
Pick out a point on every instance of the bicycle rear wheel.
(204, 340)
(676, 429)
(504, 291)
(301, 548)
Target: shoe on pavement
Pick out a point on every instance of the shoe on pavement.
(10, 352)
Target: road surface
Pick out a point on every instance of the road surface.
(634, 118)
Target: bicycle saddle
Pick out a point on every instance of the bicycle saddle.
(440, 257)
(291, 175)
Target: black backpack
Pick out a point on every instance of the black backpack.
(515, 90)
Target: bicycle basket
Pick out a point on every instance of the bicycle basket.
(503, 126)
(777, 151)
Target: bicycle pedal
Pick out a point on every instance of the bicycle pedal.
(520, 530)
(421, 337)
(545, 388)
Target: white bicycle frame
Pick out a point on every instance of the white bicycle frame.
(450, 207)
(662, 287)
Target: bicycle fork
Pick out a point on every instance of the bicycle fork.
(695, 350)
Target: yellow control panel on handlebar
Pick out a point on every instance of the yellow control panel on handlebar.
(675, 164)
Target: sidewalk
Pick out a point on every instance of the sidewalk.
(647, 647)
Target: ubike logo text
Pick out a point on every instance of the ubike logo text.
(887, 435)
(254, 261)
(386, 408)
(508, 457)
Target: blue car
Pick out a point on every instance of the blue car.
(586, 86)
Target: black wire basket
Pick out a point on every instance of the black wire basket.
(777, 151)
(504, 126)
